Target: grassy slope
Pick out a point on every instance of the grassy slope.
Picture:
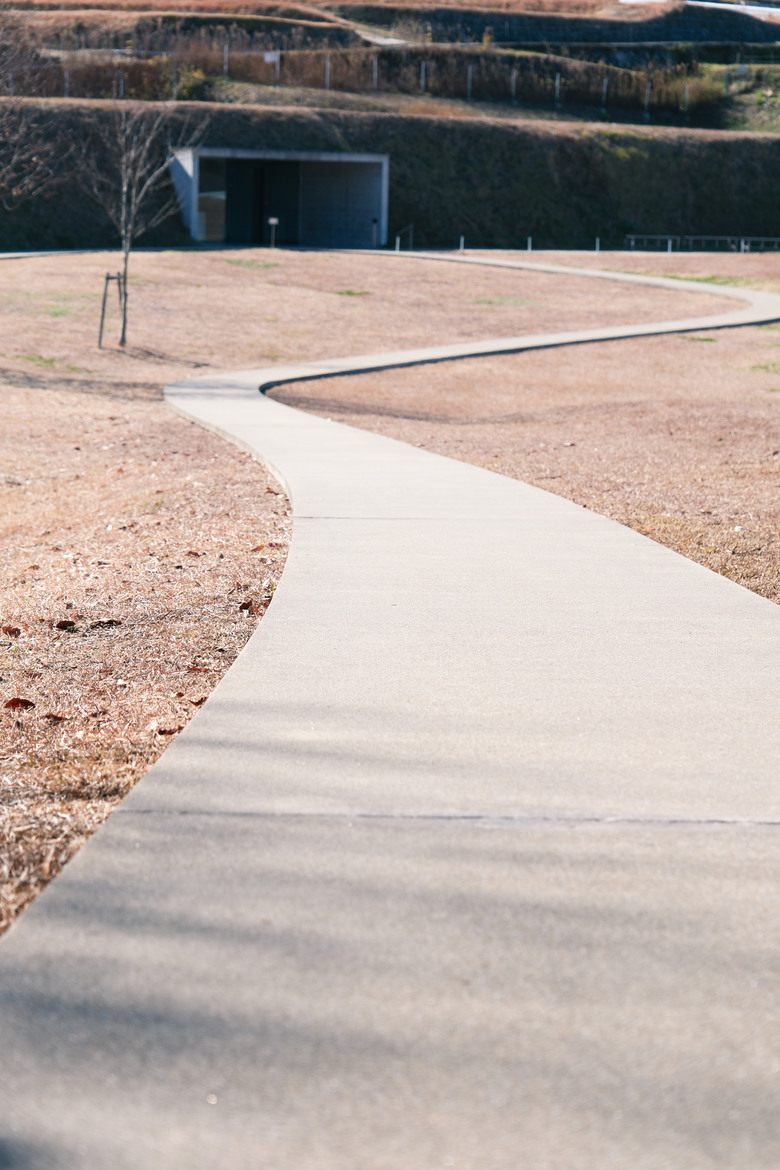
(495, 181)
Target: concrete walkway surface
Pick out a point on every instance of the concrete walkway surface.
(470, 860)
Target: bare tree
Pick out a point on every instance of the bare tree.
(124, 167)
(20, 55)
(30, 154)
(27, 131)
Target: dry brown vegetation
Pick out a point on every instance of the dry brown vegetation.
(562, 7)
(130, 578)
(455, 72)
(130, 585)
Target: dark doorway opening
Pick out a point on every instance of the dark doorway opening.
(257, 190)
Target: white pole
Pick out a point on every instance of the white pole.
(598, 244)
(513, 84)
(398, 243)
(462, 243)
(669, 244)
(226, 58)
(277, 67)
(529, 244)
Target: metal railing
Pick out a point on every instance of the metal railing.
(668, 243)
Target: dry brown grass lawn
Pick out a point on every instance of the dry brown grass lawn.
(130, 580)
(129, 586)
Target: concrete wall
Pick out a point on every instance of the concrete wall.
(340, 204)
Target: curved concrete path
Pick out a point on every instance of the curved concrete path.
(470, 860)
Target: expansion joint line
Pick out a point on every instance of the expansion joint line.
(478, 820)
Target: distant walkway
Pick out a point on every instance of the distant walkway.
(763, 307)
(470, 860)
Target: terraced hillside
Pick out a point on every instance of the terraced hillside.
(499, 123)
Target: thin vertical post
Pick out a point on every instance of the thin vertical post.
(375, 71)
(686, 96)
(277, 67)
(604, 88)
(327, 70)
(648, 90)
(374, 233)
(422, 77)
(226, 59)
(469, 77)
(103, 310)
(67, 83)
(557, 89)
(462, 246)
(529, 244)
(122, 290)
(598, 243)
(513, 85)
(398, 243)
(669, 244)
(121, 84)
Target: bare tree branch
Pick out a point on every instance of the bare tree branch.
(30, 155)
(27, 143)
(20, 55)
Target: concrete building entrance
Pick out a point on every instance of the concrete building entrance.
(320, 200)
